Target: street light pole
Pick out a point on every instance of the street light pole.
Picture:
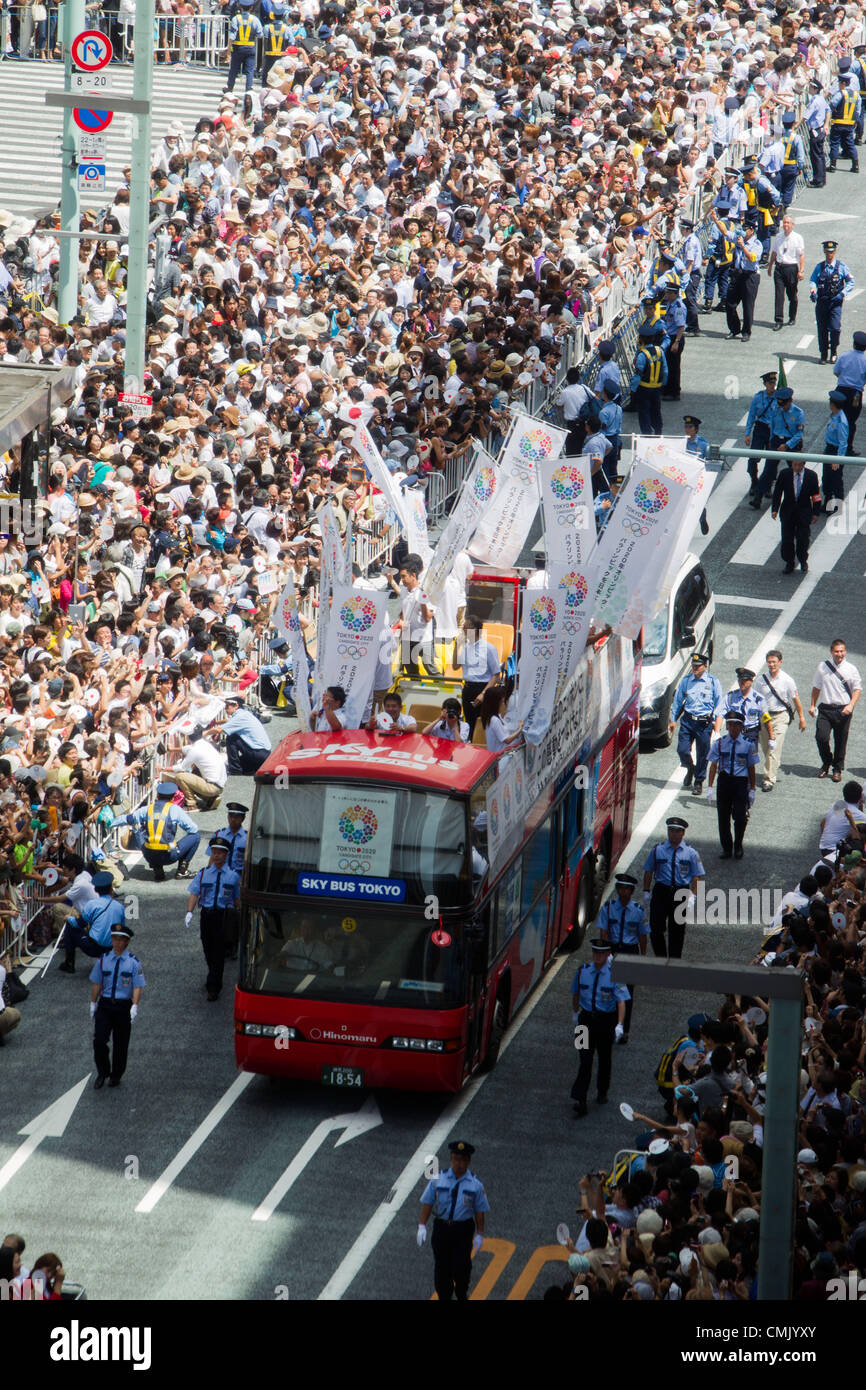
(139, 200)
(72, 15)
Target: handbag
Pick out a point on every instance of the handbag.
(39, 13)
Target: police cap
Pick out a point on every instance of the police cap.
(815, 85)
(732, 717)
(691, 420)
(234, 808)
(235, 699)
(219, 843)
(667, 255)
(606, 348)
(459, 1146)
(788, 118)
(118, 930)
(744, 674)
(844, 64)
(103, 881)
(838, 397)
(700, 659)
(166, 789)
(625, 880)
(769, 376)
(859, 341)
(676, 823)
(684, 222)
(785, 393)
(598, 945)
(731, 104)
(278, 644)
(829, 245)
(732, 173)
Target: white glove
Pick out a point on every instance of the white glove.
(92, 1008)
(422, 1235)
(618, 1031)
(751, 796)
(646, 897)
(711, 795)
(133, 1013)
(187, 921)
(477, 1242)
(771, 743)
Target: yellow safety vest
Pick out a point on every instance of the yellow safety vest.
(789, 144)
(244, 37)
(726, 250)
(849, 106)
(654, 358)
(276, 39)
(155, 828)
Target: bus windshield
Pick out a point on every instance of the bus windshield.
(339, 951)
(394, 844)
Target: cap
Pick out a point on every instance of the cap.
(459, 1146)
(667, 255)
(625, 880)
(686, 222)
(837, 397)
(807, 1156)
(788, 118)
(235, 699)
(700, 659)
(676, 823)
(844, 64)
(734, 717)
(731, 172)
(119, 930)
(605, 348)
(785, 393)
(166, 789)
(691, 420)
(234, 808)
(829, 245)
(103, 880)
(744, 674)
(860, 341)
(696, 1021)
(772, 376)
(219, 843)
(598, 945)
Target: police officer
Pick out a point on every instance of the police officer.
(786, 432)
(731, 197)
(459, 1205)
(671, 865)
(623, 923)
(721, 256)
(693, 255)
(696, 444)
(668, 269)
(598, 1005)
(817, 118)
(674, 323)
(278, 36)
(164, 833)
(276, 674)
(835, 442)
(850, 373)
(90, 930)
(763, 205)
(246, 739)
(734, 759)
(845, 111)
(216, 889)
(832, 283)
(117, 981)
(609, 376)
(235, 835)
(649, 379)
(759, 424)
(696, 701)
(743, 285)
(746, 701)
(793, 159)
(653, 307)
(245, 30)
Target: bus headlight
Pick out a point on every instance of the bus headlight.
(267, 1030)
(419, 1044)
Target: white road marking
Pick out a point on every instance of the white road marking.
(31, 971)
(804, 342)
(195, 1141)
(854, 294)
(789, 363)
(366, 1118)
(725, 496)
(736, 602)
(407, 1183)
(741, 424)
(49, 1124)
(831, 216)
(760, 543)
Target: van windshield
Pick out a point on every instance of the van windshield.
(655, 638)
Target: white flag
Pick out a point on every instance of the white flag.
(288, 626)
(367, 451)
(339, 566)
(633, 549)
(475, 495)
(569, 515)
(351, 648)
(416, 523)
(538, 669)
(505, 525)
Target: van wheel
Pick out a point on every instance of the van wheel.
(666, 739)
(498, 1025)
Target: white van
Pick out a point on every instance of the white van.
(685, 624)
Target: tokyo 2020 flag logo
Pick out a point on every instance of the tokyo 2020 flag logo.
(535, 445)
(566, 483)
(484, 485)
(675, 474)
(357, 824)
(542, 614)
(358, 614)
(506, 802)
(651, 495)
(576, 590)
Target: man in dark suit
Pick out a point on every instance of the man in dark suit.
(797, 498)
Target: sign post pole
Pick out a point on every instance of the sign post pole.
(139, 201)
(67, 307)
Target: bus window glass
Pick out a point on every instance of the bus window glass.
(536, 865)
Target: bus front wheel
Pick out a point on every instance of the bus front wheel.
(582, 908)
(498, 1024)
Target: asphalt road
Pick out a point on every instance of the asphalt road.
(346, 1224)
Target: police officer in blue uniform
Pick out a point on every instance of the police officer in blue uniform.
(459, 1205)
(845, 112)
(731, 197)
(696, 444)
(609, 375)
(247, 742)
(276, 674)
(649, 379)
(759, 424)
(721, 257)
(817, 117)
(831, 283)
(793, 159)
(235, 835)
(278, 37)
(734, 758)
(90, 930)
(245, 30)
(835, 442)
(693, 255)
(674, 324)
(763, 200)
(668, 269)
(117, 981)
(623, 923)
(653, 307)
(164, 833)
(671, 866)
(743, 284)
(850, 373)
(696, 702)
(746, 702)
(217, 890)
(598, 1012)
(787, 423)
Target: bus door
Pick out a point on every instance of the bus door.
(477, 939)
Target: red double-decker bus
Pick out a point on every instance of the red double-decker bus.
(388, 934)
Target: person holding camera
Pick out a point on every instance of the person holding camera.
(450, 725)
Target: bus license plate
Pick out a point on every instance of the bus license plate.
(342, 1076)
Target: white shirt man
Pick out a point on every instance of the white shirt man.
(836, 825)
(783, 706)
(207, 761)
(836, 688)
